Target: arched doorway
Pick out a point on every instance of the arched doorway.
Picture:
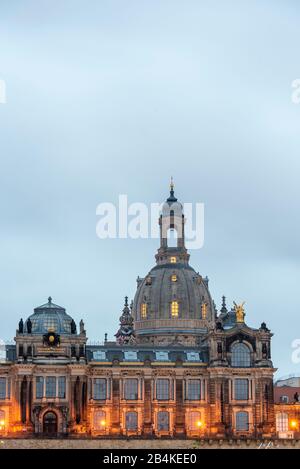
(50, 424)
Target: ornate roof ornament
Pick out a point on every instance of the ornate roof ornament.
(239, 312)
(126, 334)
(224, 308)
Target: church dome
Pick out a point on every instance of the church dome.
(49, 318)
(172, 303)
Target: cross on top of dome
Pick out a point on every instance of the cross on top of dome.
(172, 197)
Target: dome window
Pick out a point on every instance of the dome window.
(204, 310)
(173, 260)
(144, 310)
(174, 278)
(174, 309)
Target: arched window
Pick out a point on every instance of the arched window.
(163, 421)
(172, 238)
(242, 421)
(240, 355)
(99, 420)
(131, 421)
(282, 422)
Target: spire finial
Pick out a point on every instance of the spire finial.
(172, 198)
(172, 184)
(224, 308)
(126, 301)
(49, 300)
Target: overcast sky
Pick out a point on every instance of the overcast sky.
(113, 97)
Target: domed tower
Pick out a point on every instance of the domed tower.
(50, 332)
(172, 304)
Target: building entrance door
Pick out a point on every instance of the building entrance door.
(50, 424)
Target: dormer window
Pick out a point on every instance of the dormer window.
(174, 309)
(173, 260)
(144, 310)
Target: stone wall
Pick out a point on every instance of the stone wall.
(153, 444)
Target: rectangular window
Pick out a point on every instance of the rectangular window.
(2, 388)
(39, 387)
(131, 389)
(163, 421)
(144, 310)
(241, 389)
(242, 421)
(174, 309)
(192, 356)
(100, 389)
(130, 355)
(194, 389)
(50, 386)
(162, 356)
(99, 355)
(62, 387)
(194, 420)
(99, 420)
(131, 421)
(162, 389)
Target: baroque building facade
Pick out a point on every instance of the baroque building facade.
(177, 368)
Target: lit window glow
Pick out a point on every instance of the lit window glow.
(173, 260)
(174, 309)
(174, 278)
(143, 310)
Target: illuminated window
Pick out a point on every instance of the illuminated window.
(174, 278)
(2, 419)
(99, 420)
(173, 260)
(194, 420)
(282, 422)
(144, 310)
(203, 310)
(174, 309)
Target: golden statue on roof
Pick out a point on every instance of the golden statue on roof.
(239, 312)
